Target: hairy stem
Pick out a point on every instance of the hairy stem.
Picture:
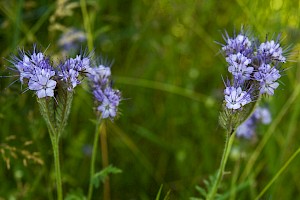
(55, 146)
(228, 144)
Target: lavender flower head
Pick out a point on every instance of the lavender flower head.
(107, 98)
(235, 97)
(239, 66)
(36, 70)
(247, 129)
(271, 50)
(239, 44)
(70, 70)
(252, 64)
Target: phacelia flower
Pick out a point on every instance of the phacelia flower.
(235, 97)
(99, 75)
(239, 66)
(252, 64)
(42, 84)
(271, 50)
(239, 44)
(70, 70)
(247, 129)
(36, 70)
(267, 77)
(109, 103)
(107, 99)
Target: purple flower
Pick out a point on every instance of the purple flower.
(239, 66)
(107, 99)
(262, 114)
(267, 77)
(247, 129)
(235, 97)
(42, 84)
(239, 44)
(252, 64)
(107, 109)
(36, 69)
(70, 70)
(99, 75)
(271, 50)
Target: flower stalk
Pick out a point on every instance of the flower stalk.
(105, 161)
(94, 154)
(230, 135)
(55, 146)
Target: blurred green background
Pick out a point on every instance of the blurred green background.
(168, 67)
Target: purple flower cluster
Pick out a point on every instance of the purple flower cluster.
(247, 129)
(253, 67)
(70, 70)
(107, 98)
(37, 71)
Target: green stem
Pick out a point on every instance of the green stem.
(278, 173)
(228, 144)
(94, 153)
(55, 145)
(87, 24)
(105, 162)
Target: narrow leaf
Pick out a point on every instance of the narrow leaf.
(159, 192)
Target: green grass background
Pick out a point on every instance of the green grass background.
(166, 64)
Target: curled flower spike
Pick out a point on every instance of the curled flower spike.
(36, 70)
(70, 70)
(239, 44)
(107, 99)
(271, 51)
(267, 77)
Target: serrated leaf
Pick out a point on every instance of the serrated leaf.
(206, 183)
(100, 176)
(201, 190)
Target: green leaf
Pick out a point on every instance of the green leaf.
(159, 192)
(167, 197)
(201, 190)
(75, 195)
(100, 176)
